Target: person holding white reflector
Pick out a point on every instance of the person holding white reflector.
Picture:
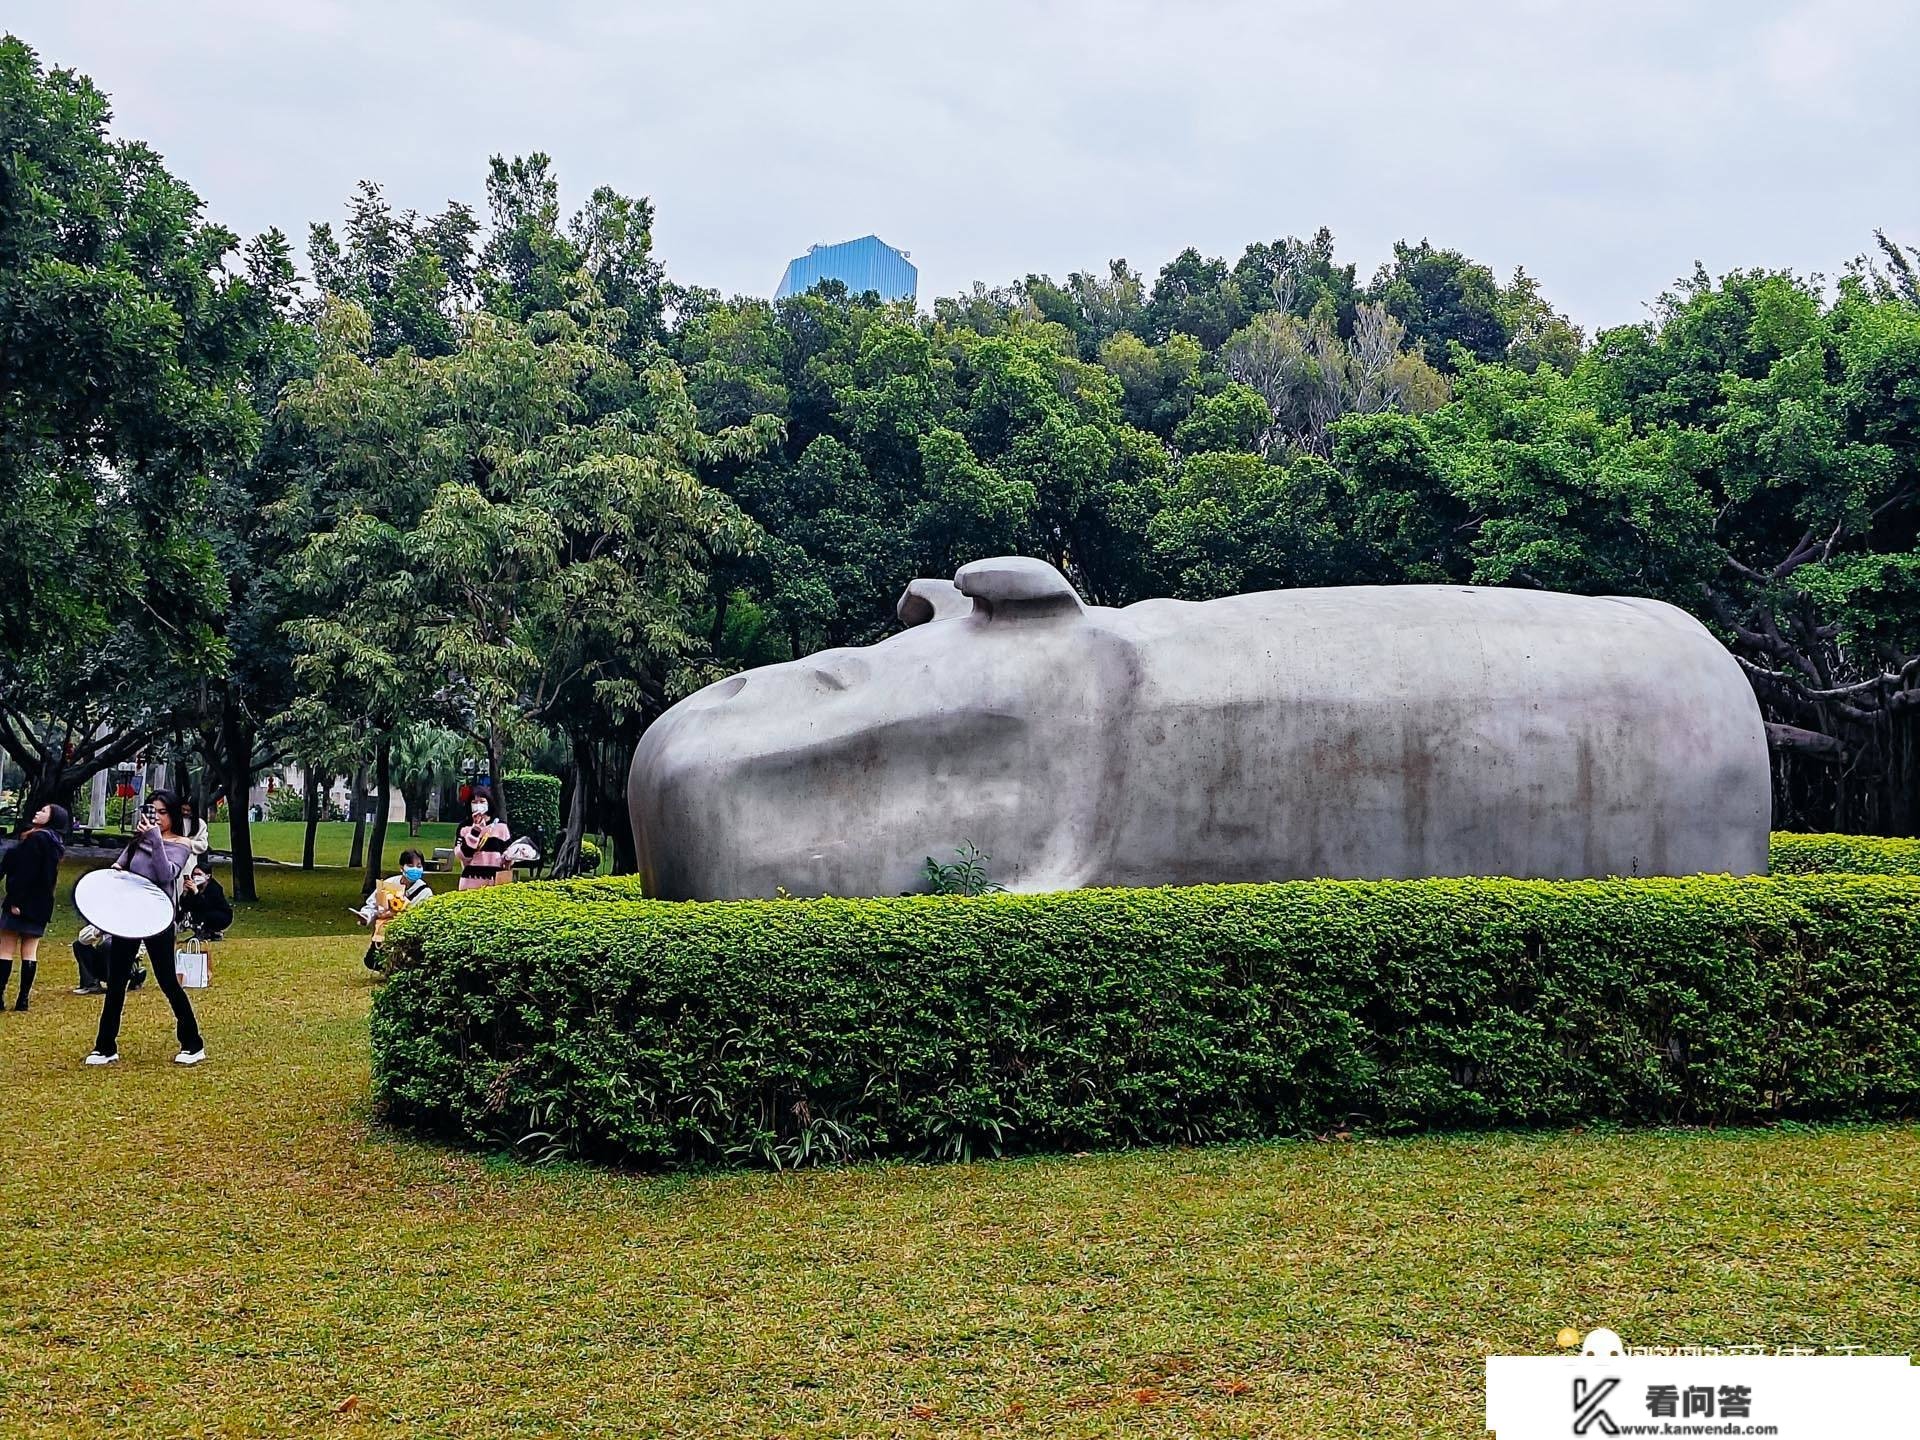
(136, 902)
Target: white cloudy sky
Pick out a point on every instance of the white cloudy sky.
(1605, 144)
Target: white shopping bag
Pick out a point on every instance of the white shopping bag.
(191, 966)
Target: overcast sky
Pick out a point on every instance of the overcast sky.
(1605, 144)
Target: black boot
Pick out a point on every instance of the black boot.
(6, 973)
(27, 969)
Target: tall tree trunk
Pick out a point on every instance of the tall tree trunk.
(236, 738)
(566, 859)
(358, 801)
(626, 859)
(313, 817)
(496, 757)
(383, 801)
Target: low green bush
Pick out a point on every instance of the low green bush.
(1844, 855)
(578, 1019)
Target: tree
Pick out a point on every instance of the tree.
(1444, 299)
(1306, 377)
(426, 758)
(124, 341)
(1539, 334)
(1195, 296)
(1159, 384)
(512, 536)
(1298, 277)
(1093, 308)
(530, 266)
(413, 278)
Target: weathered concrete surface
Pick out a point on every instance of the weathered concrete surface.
(1364, 732)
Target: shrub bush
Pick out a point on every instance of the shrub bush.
(1844, 855)
(578, 1019)
(287, 802)
(533, 805)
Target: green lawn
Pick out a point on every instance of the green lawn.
(237, 1250)
(282, 840)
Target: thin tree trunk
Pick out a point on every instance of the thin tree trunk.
(383, 801)
(626, 858)
(358, 802)
(566, 860)
(313, 818)
(496, 755)
(237, 740)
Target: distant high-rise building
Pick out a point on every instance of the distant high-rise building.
(868, 263)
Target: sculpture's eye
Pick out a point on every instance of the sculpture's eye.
(838, 672)
(725, 690)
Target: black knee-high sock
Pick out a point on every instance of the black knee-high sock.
(27, 969)
(6, 973)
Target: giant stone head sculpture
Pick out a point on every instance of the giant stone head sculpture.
(1365, 732)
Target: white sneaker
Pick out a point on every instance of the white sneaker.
(96, 1058)
(190, 1057)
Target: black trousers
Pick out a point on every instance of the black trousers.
(120, 967)
(95, 962)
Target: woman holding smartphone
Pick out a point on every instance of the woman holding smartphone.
(161, 853)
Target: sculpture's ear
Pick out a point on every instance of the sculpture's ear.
(1016, 585)
(926, 600)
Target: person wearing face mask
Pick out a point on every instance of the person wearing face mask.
(204, 908)
(482, 847)
(389, 898)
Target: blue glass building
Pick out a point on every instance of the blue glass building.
(868, 263)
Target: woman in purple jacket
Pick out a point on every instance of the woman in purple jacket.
(31, 870)
(161, 853)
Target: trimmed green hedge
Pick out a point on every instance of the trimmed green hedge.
(1844, 855)
(533, 804)
(577, 1019)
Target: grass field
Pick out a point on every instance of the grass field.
(238, 1250)
(282, 840)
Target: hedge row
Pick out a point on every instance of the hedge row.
(576, 1019)
(1844, 855)
(532, 802)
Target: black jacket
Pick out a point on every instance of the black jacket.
(207, 908)
(32, 869)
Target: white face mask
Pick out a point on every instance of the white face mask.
(479, 812)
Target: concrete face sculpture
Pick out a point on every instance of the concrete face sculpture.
(1371, 732)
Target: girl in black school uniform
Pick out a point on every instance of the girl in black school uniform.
(31, 869)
